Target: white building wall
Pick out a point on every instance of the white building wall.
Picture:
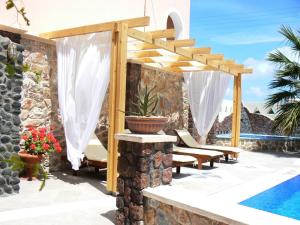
(49, 15)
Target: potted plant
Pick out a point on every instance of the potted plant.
(145, 120)
(37, 144)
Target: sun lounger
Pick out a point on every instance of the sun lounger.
(190, 142)
(201, 156)
(95, 154)
(182, 160)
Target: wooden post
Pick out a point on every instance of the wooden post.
(117, 97)
(236, 114)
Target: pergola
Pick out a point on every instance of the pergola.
(153, 49)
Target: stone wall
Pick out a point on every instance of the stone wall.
(140, 166)
(173, 101)
(263, 145)
(10, 88)
(250, 123)
(40, 98)
(158, 213)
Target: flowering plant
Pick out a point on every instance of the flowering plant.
(40, 141)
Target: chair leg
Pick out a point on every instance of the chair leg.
(96, 170)
(211, 163)
(75, 173)
(177, 169)
(199, 164)
(226, 158)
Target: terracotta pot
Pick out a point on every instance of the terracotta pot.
(145, 125)
(30, 161)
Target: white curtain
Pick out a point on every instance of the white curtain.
(83, 77)
(206, 90)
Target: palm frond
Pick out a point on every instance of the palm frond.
(278, 57)
(280, 97)
(291, 70)
(285, 83)
(292, 39)
(288, 117)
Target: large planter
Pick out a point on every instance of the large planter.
(29, 163)
(146, 125)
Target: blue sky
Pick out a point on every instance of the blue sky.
(245, 30)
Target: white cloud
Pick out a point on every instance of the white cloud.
(257, 91)
(260, 67)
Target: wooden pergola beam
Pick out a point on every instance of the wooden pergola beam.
(236, 113)
(168, 33)
(200, 50)
(145, 37)
(135, 22)
(147, 46)
(144, 54)
(183, 43)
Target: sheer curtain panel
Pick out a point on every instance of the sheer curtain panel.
(83, 77)
(206, 90)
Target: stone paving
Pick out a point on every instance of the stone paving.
(82, 200)
(65, 200)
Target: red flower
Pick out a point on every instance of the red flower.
(35, 138)
(32, 146)
(34, 133)
(46, 146)
(42, 135)
(30, 128)
(42, 130)
(25, 137)
(58, 149)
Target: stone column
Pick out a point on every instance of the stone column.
(144, 161)
(10, 88)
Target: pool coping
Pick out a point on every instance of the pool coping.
(229, 211)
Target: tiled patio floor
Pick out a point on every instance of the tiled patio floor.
(65, 200)
(82, 200)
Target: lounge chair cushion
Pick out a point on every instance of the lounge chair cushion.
(95, 150)
(188, 140)
(194, 151)
(183, 159)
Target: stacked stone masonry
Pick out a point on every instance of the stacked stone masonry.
(140, 166)
(263, 145)
(158, 213)
(10, 109)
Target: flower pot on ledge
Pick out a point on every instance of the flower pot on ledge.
(29, 163)
(146, 125)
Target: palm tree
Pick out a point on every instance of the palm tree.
(287, 84)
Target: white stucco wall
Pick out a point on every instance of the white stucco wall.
(49, 15)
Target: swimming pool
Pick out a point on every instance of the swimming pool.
(260, 137)
(282, 199)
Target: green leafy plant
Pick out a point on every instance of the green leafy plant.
(38, 73)
(146, 102)
(10, 4)
(17, 164)
(286, 82)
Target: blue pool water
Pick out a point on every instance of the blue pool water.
(260, 137)
(282, 199)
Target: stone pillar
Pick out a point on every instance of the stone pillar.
(10, 108)
(144, 161)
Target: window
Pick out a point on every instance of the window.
(170, 25)
(174, 22)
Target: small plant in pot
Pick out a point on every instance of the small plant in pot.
(37, 144)
(145, 120)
